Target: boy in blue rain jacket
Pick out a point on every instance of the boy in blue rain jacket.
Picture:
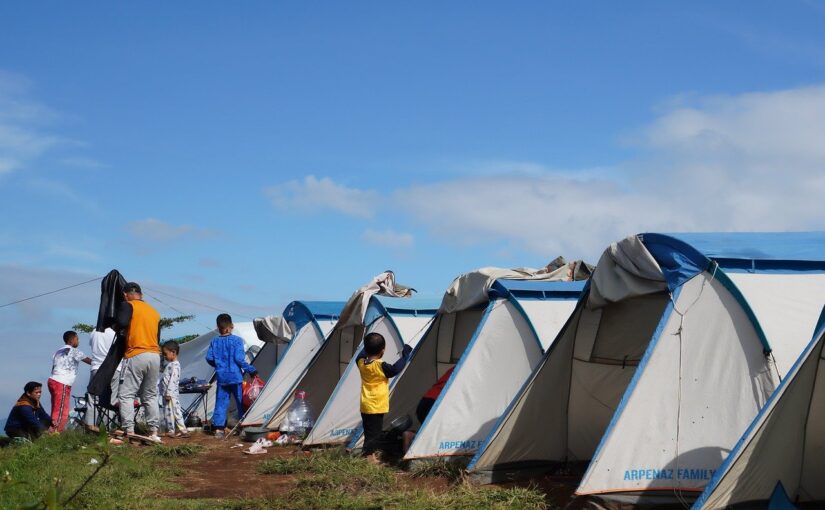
(226, 354)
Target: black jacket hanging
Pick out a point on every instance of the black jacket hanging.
(111, 295)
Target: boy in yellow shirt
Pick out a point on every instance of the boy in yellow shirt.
(375, 388)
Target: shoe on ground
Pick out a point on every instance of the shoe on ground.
(171, 434)
(155, 438)
(220, 434)
(184, 435)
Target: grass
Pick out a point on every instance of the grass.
(137, 478)
(441, 468)
(331, 469)
(461, 497)
(333, 479)
(176, 450)
(60, 464)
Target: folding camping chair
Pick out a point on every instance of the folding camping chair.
(106, 414)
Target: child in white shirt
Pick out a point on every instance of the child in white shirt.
(64, 372)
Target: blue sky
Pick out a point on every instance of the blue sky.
(245, 156)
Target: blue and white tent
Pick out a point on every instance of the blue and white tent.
(330, 360)
(493, 328)
(675, 345)
(401, 321)
(781, 457)
(311, 323)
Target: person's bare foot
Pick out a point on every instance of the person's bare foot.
(374, 458)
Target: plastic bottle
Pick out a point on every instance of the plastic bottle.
(299, 416)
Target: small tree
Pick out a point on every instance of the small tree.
(165, 323)
(83, 328)
(168, 322)
(185, 338)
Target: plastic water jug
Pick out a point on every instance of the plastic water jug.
(299, 417)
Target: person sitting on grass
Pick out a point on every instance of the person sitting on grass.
(169, 387)
(64, 372)
(375, 392)
(226, 354)
(27, 418)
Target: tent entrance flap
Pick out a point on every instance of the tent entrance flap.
(704, 378)
(323, 372)
(438, 351)
(574, 392)
(503, 353)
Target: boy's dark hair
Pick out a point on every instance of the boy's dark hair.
(132, 287)
(172, 346)
(374, 343)
(68, 335)
(224, 320)
(31, 386)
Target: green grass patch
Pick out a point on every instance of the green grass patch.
(176, 450)
(331, 469)
(462, 497)
(441, 468)
(334, 479)
(135, 478)
(53, 467)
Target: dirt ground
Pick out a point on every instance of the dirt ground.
(223, 471)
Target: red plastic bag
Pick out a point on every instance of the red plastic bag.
(251, 390)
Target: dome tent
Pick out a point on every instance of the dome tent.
(674, 346)
(493, 326)
(780, 457)
(311, 323)
(401, 321)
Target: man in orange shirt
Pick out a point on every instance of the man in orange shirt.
(140, 323)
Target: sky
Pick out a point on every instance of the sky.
(244, 156)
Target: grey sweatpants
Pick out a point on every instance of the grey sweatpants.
(140, 379)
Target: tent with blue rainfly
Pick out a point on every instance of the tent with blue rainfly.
(676, 343)
(311, 323)
(492, 327)
(401, 321)
(331, 360)
(781, 457)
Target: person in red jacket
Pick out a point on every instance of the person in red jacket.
(426, 404)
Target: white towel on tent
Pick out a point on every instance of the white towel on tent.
(625, 269)
(383, 285)
(470, 289)
(273, 328)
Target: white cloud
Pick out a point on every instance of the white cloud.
(748, 162)
(315, 195)
(22, 120)
(546, 214)
(209, 262)
(388, 238)
(155, 230)
(753, 161)
(63, 192)
(84, 163)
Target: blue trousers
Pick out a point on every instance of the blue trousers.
(222, 403)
